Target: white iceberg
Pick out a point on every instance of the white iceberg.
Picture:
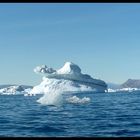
(123, 90)
(67, 79)
(14, 90)
(64, 80)
(11, 90)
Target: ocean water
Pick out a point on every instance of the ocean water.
(104, 115)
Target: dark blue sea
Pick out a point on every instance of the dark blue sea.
(106, 115)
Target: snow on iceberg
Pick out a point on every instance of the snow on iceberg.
(69, 68)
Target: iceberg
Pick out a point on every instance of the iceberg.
(123, 90)
(66, 79)
(14, 90)
(131, 85)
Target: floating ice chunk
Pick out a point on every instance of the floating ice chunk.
(28, 94)
(52, 98)
(75, 99)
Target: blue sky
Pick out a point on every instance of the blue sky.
(103, 39)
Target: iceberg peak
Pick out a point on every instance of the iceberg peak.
(69, 68)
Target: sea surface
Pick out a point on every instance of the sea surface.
(105, 115)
